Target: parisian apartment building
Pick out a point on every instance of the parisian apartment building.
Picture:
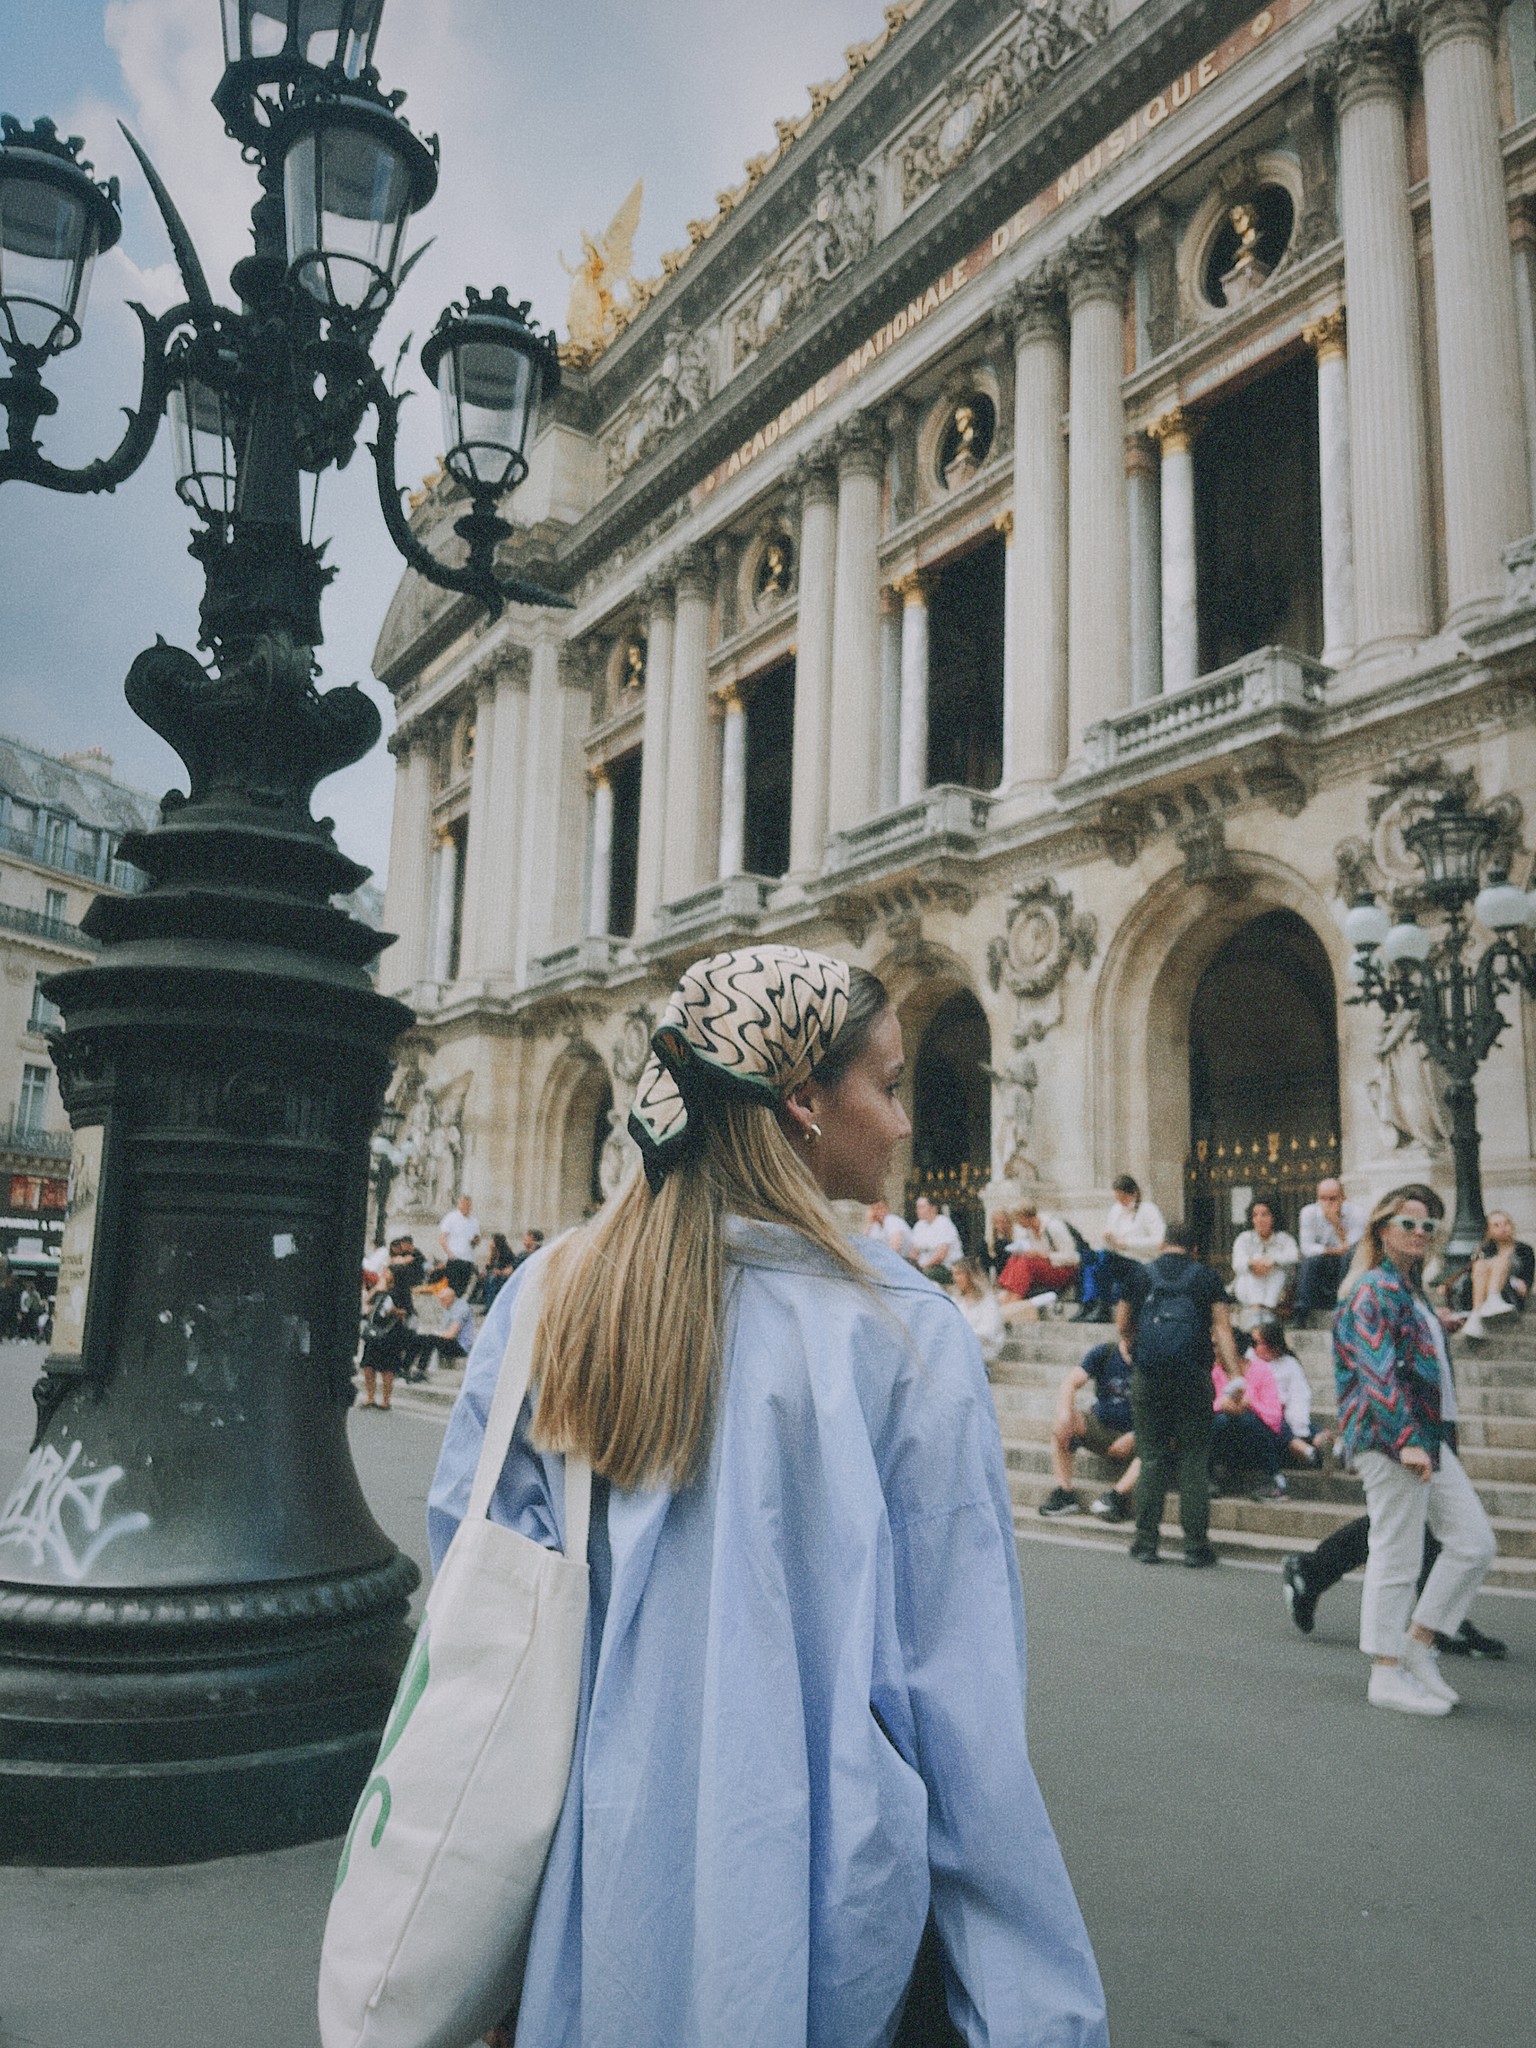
(1047, 533)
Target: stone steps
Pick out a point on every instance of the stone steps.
(1496, 1393)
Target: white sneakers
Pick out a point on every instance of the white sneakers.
(1420, 1660)
(1395, 1686)
(1495, 1306)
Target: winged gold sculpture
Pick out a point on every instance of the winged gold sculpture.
(606, 270)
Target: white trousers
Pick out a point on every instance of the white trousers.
(1400, 1505)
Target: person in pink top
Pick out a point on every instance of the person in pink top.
(1249, 1431)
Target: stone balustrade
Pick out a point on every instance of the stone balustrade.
(1272, 685)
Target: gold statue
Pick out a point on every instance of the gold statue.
(596, 311)
(965, 428)
(634, 665)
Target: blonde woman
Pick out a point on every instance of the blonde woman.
(801, 1739)
(1397, 1419)
(975, 1300)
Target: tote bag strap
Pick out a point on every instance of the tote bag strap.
(507, 1405)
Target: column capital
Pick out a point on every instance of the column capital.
(814, 476)
(861, 446)
(1325, 337)
(731, 697)
(1003, 524)
(658, 591)
(1370, 58)
(1035, 308)
(1174, 432)
(1095, 265)
(1446, 21)
(693, 572)
(912, 588)
(598, 775)
(403, 741)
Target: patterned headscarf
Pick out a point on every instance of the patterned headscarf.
(755, 1023)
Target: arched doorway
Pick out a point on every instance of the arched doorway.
(952, 1113)
(1263, 1076)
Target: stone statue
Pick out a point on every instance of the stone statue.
(1013, 1121)
(845, 218)
(1405, 1090)
(596, 311)
(433, 1140)
(619, 1155)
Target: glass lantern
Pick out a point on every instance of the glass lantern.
(491, 369)
(1406, 941)
(1500, 905)
(54, 222)
(1366, 924)
(317, 32)
(202, 447)
(353, 174)
(1450, 843)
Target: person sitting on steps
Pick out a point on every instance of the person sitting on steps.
(1103, 1428)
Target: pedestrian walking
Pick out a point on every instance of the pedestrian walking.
(801, 1736)
(1175, 1312)
(1397, 1421)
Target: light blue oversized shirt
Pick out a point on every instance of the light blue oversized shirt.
(802, 1714)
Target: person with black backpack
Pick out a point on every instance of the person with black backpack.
(1175, 1312)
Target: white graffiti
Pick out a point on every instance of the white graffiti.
(53, 1512)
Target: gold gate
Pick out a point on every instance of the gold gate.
(1221, 1177)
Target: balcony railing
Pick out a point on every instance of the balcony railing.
(37, 926)
(1273, 684)
(17, 1135)
(735, 903)
(36, 846)
(943, 818)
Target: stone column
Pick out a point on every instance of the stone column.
(445, 882)
(407, 911)
(1482, 429)
(1523, 258)
(1098, 549)
(689, 857)
(602, 853)
(1325, 338)
(1003, 526)
(912, 754)
(855, 723)
(733, 784)
(1035, 674)
(653, 753)
(1389, 459)
(472, 943)
(551, 910)
(1143, 512)
(817, 481)
(890, 698)
(1174, 435)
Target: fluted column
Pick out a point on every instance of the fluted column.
(602, 853)
(1035, 672)
(407, 910)
(890, 697)
(445, 883)
(912, 757)
(854, 752)
(1098, 549)
(551, 911)
(653, 753)
(1325, 338)
(813, 664)
(1482, 432)
(733, 784)
(472, 948)
(1174, 435)
(1389, 483)
(1523, 259)
(1142, 485)
(689, 856)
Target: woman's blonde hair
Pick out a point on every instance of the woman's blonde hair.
(1369, 1251)
(628, 1352)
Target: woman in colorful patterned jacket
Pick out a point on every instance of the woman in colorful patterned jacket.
(1397, 1418)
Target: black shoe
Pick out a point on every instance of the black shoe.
(1470, 1642)
(1198, 1555)
(1086, 1314)
(1059, 1502)
(1300, 1600)
(1144, 1553)
(1111, 1507)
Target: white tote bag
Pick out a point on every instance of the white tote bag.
(429, 1923)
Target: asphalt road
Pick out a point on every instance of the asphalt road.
(1263, 1861)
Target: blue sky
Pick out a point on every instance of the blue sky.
(547, 116)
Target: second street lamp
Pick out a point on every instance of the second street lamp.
(201, 1624)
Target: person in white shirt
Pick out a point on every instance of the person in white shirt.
(935, 1242)
(1133, 1234)
(882, 1221)
(1306, 1445)
(1263, 1261)
(1329, 1230)
(978, 1304)
(457, 1236)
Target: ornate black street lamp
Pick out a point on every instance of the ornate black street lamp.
(1454, 1000)
(201, 1623)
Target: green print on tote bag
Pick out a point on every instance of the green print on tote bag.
(436, 1888)
(413, 1683)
